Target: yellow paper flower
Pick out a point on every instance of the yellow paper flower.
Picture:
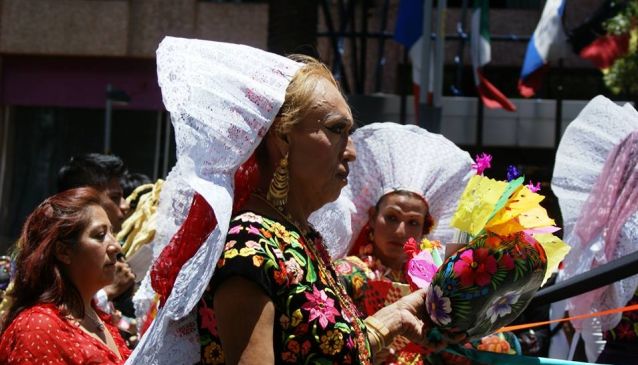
(477, 203)
(555, 250)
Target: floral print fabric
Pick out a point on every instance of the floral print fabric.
(310, 325)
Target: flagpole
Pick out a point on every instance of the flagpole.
(439, 55)
(439, 60)
(424, 88)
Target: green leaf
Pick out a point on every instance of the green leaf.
(311, 274)
(343, 327)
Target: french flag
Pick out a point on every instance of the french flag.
(409, 33)
(547, 44)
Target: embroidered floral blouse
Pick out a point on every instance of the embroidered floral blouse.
(311, 326)
(41, 335)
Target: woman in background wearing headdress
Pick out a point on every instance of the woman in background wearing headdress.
(596, 182)
(254, 283)
(404, 179)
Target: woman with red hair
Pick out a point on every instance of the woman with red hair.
(66, 253)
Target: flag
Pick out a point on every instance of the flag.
(482, 55)
(591, 41)
(547, 42)
(409, 33)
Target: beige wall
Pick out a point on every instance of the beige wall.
(124, 28)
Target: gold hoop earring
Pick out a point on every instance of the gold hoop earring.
(278, 190)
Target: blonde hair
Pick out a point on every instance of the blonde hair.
(300, 92)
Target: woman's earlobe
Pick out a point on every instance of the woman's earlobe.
(63, 253)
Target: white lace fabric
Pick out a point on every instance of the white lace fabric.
(391, 156)
(222, 99)
(581, 155)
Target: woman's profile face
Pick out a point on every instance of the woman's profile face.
(398, 218)
(321, 147)
(92, 261)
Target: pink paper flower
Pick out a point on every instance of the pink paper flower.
(483, 161)
(420, 270)
(321, 307)
(475, 267)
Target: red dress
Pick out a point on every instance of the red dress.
(41, 335)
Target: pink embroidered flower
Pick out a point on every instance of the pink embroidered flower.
(253, 230)
(209, 321)
(483, 161)
(234, 230)
(252, 244)
(475, 267)
(320, 306)
(343, 267)
(295, 273)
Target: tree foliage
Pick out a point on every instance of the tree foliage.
(622, 76)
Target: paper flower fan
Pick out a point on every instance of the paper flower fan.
(488, 283)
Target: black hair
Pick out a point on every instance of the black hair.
(91, 169)
(130, 182)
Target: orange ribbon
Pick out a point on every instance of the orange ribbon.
(628, 308)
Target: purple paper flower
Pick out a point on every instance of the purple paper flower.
(438, 306)
(534, 187)
(512, 173)
(483, 161)
(502, 305)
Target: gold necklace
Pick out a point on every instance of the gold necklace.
(286, 216)
(316, 248)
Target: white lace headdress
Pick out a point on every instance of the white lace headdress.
(581, 156)
(222, 99)
(391, 156)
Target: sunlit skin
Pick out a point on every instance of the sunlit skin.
(90, 265)
(398, 218)
(92, 260)
(319, 150)
(115, 193)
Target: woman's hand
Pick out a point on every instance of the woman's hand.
(408, 317)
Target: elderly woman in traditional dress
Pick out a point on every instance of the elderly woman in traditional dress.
(259, 286)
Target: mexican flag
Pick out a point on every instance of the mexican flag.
(482, 55)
